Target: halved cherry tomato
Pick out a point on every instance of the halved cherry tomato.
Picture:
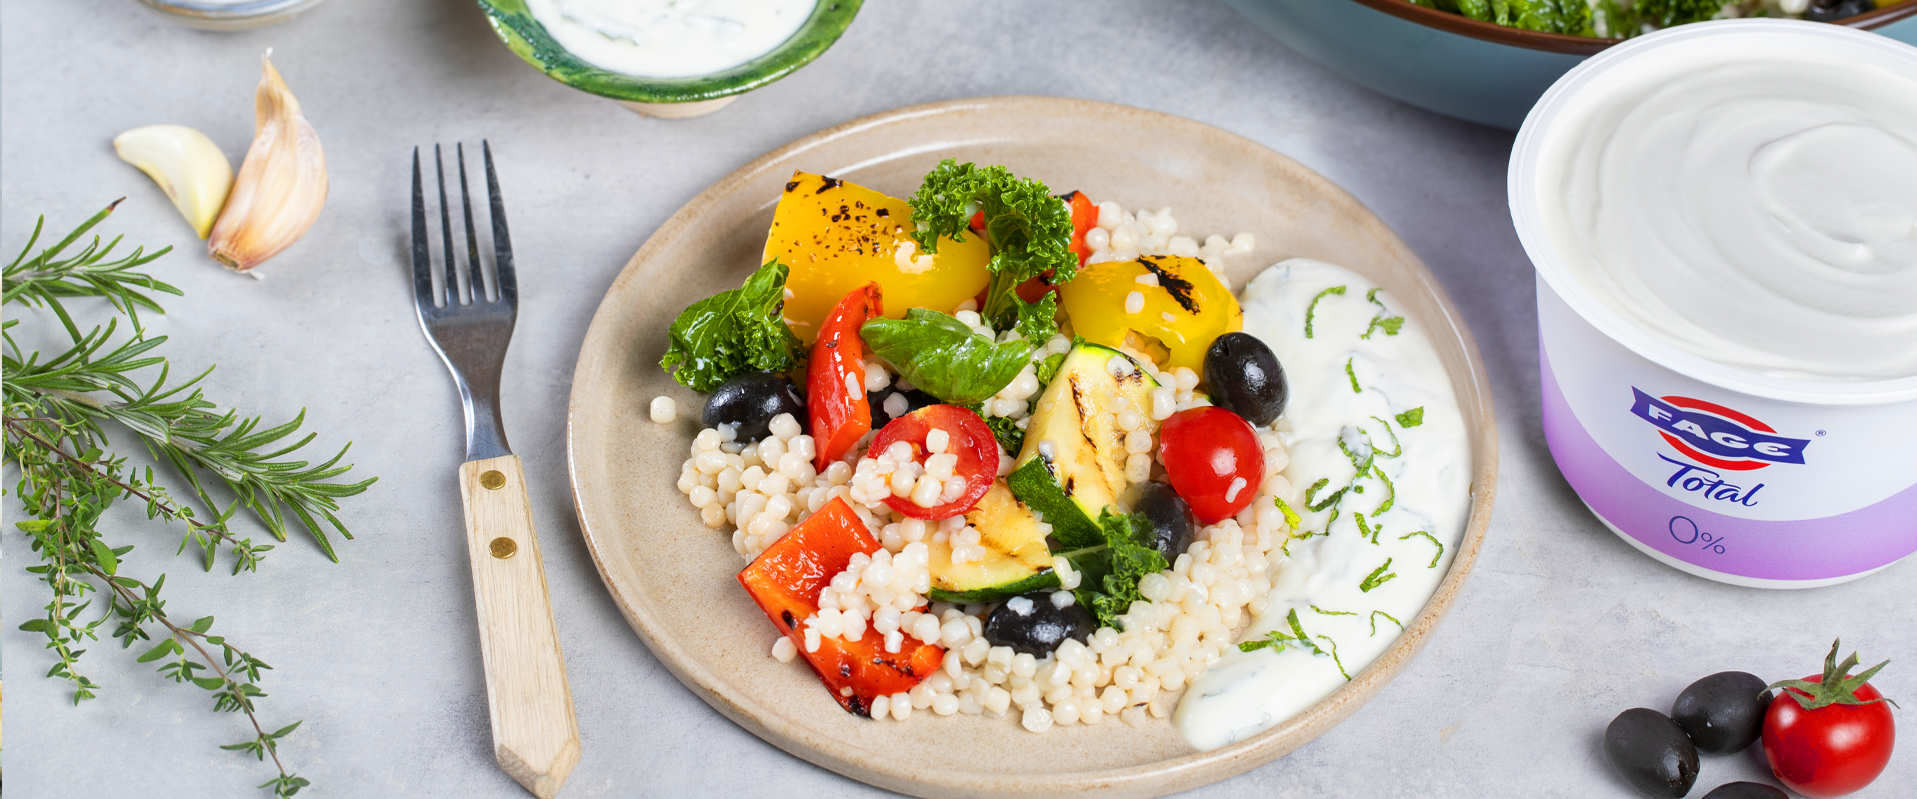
(835, 378)
(967, 437)
(1213, 459)
(1829, 749)
(786, 580)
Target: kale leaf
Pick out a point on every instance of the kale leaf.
(1029, 229)
(731, 332)
(1111, 571)
(943, 357)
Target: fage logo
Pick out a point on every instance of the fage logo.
(1714, 435)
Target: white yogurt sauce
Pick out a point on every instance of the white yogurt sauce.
(1757, 209)
(670, 38)
(1244, 693)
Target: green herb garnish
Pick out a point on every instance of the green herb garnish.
(1367, 531)
(1291, 516)
(733, 332)
(1333, 612)
(1319, 505)
(1432, 539)
(1355, 389)
(941, 356)
(1311, 310)
(1038, 321)
(1112, 570)
(1047, 370)
(1411, 418)
(1005, 429)
(1396, 446)
(1279, 639)
(1029, 229)
(1334, 656)
(57, 411)
(1389, 324)
(1391, 498)
(1374, 621)
(1374, 579)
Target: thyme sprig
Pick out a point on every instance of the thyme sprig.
(56, 412)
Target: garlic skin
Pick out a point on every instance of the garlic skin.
(188, 166)
(281, 186)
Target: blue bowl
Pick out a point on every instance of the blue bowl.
(1456, 66)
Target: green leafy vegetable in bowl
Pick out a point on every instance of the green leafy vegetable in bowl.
(1622, 19)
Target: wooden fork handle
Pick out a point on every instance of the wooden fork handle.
(535, 734)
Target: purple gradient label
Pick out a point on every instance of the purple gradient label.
(1806, 549)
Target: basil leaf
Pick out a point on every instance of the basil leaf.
(944, 358)
(732, 332)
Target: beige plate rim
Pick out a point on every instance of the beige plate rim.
(1146, 779)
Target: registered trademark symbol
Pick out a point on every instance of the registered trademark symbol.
(1820, 432)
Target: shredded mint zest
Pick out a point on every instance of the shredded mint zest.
(1433, 539)
(1291, 516)
(1375, 579)
(1334, 656)
(1312, 309)
(1389, 324)
(1355, 388)
(1333, 612)
(1390, 499)
(1395, 443)
(1374, 621)
(1318, 505)
(1365, 530)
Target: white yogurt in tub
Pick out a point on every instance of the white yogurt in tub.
(1367, 390)
(1724, 223)
(670, 38)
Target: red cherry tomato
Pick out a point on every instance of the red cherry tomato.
(835, 378)
(1214, 461)
(967, 437)
(1830, 751)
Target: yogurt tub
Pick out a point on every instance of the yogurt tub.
(1723, 218)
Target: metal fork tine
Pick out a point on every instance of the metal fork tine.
(422, 250)
(503, 277)
(472, 240)
(446, 234)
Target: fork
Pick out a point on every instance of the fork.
(535, 734)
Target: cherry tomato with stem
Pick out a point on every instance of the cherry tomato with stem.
(964, 436)
(1214, 461)
(1829, 734)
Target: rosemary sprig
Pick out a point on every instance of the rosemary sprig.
(56, 414)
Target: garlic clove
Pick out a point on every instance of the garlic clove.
(281, 186)
(188, 166)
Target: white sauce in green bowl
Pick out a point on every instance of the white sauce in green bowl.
(670, 38)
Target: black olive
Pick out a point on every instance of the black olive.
(1746, 790)
(1032, 623)
(914, 400)
(1172, 519)
(750, 400)
(1651, 753)
(1723, 713)
(1245, 378)
(1834, 10)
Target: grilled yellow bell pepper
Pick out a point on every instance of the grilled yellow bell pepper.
(836, 236)
(1180, 306)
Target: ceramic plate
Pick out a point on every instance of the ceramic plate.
(675, 579)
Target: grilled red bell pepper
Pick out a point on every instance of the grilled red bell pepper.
(1084, 218)
(786, 580)
(835, 378)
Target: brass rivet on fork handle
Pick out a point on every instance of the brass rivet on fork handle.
(504, 547)
(492, 480)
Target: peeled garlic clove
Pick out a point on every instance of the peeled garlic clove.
(188, 166)
(282, 182)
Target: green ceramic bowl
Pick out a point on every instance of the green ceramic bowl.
(668, 97)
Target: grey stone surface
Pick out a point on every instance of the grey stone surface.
(1561, 627)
